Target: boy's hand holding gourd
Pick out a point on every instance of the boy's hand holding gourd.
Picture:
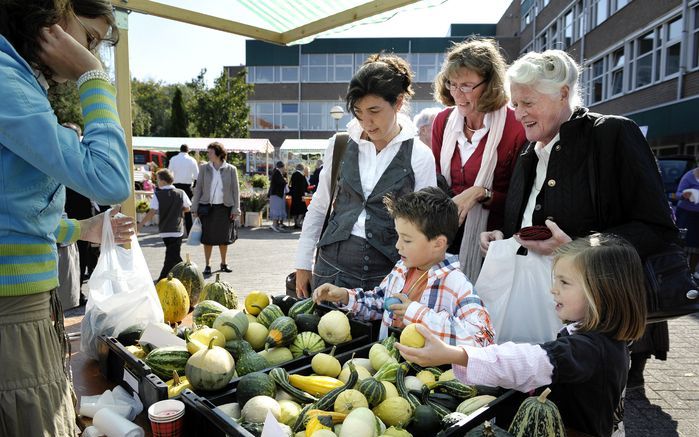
(330, 293)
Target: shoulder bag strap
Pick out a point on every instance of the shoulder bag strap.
(339, 149)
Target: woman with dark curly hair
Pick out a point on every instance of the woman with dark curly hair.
(358, 247)
(42, 40)
(475, 142)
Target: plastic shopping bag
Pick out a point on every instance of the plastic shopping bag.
(194, 238)
(516, 291)
(121, 292)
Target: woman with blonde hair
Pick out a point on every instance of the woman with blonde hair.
(475, 142)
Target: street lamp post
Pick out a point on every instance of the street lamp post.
(337, 113)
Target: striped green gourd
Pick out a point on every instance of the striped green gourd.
(269, 314)
(255, 384)
(206, 312)
(191, 277)
(373, 391)
(282, 332)
(306, 343)
(402, 389)
(327, 402)
(387, 372)
(455, 388)
(537, 416)
(436, 406)
(164, 360)
(281, 377)
(305, 306)
(221, 292)
(389, 343)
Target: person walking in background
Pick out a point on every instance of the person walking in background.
(315, 176)
(476, 142)
(423, 122)
(357, 249)
(278, 188)
(217, 204)
(170, 204)
(56, 40)
(186, 170)
(687, 214)
(147, 184)
(298, 188)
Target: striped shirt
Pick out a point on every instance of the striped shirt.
(448, 307)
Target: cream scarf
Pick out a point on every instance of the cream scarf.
(477, 218)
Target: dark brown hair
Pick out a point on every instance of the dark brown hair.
(166, 176)
(22, 20)
(386, 76)
(482, 56)
(614, 285)
(218, 149)
(429, 209)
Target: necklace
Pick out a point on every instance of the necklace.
(472, 130)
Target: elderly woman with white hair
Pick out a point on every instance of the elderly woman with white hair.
(423, 123)
(582, 171)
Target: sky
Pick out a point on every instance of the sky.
(174, 52)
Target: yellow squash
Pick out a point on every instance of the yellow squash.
(315, 385)
(255, 302)
(177, 385)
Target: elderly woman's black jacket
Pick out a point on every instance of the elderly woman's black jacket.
(598, 157)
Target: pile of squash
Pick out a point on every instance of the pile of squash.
(364, 397)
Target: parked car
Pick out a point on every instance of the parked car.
(143, 157)
(672, 168)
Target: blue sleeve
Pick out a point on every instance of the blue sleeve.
(97, 166)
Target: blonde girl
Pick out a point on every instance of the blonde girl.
(598, 289)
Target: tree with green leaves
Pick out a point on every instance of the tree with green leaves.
(221, 111)
(155, 99)
(178, 118)
(65, 101)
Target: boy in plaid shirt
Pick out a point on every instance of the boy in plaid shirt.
(427, 281)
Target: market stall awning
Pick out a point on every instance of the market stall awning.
(262, 145)
(304, 146)
(276, 21)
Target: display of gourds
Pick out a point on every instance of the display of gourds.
(173, 298)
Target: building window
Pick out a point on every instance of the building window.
(316, 116)
(343, 67)
(597, 82)
(599, 12)
(579, 20)
(673, 43)
(643, 68)
(274, 115)
(616, 65)
(276, 74)
(695, 37)
(618, 4)
(568, 29)
(425, 65)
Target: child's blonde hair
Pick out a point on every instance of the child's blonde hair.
(614, 285)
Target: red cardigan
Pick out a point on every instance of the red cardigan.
(513, 138)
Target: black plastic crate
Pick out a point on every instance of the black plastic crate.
(503, 407)
(120, 366)
(203, 418)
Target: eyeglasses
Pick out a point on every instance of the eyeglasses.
(92, 41)
(463, 88)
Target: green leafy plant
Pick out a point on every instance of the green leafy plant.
(143, 206)
(254, 202)
(259, 181)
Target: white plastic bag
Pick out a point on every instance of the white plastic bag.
(121, 292)
(516, 291)
(194, 238)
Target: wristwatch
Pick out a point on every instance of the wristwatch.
(487, 196)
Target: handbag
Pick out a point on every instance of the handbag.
(670, 287)
(339, 148)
